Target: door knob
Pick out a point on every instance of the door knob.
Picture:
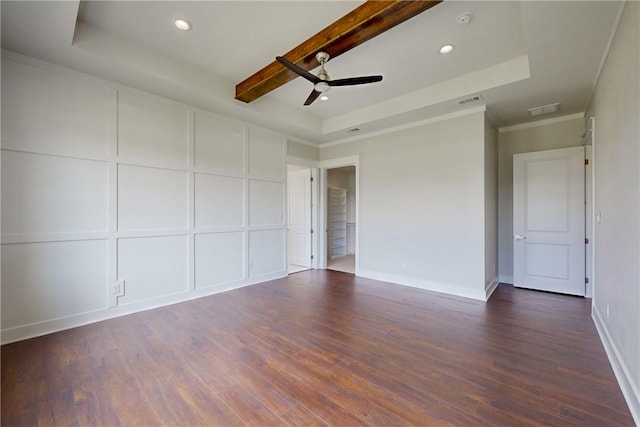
(519, 237)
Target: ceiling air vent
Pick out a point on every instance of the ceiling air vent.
(545, 109)
(470, 100)
(354, 130)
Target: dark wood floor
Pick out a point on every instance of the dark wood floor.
(322, 348)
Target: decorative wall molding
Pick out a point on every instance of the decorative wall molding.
(156, 219)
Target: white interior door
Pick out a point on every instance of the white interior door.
(548, 220)
(299, 183)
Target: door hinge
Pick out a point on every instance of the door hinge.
(586, 241)
(311, 179)
(312, 257)
(586, 280)
(312, 231)
(586, 162)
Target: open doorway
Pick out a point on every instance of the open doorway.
(341, 219)
(299, 219)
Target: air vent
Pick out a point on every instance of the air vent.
(470, 100)
(353, 130)
(545, 109)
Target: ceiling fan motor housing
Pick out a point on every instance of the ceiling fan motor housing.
(322, 57)
(322, 86)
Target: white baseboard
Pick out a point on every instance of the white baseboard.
(55, 325)
(444, 288)
(489, 289)
(630, 391)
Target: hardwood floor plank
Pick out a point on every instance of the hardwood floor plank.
(170, 407)
(21, 379)
(600, 416)
(306, 394)
(204, 401)
(301, 416)
(322, 348)
(93, 408)
(381, 417)
(247, 407)
(319, 378)
(268, 395)
(137, 412)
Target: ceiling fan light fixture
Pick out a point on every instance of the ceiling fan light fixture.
(183, 25)
(322, 87)
(324, 98)
(447, 48)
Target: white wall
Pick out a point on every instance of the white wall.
(523, 140)
(422, 205)
(302, 151)
(102, 183)
(616, 107)
(490, 207)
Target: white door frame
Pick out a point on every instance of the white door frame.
(315, 202)
(590, 140)
(322, 208)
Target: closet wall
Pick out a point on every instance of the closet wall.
(345, 178)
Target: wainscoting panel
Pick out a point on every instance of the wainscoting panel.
(152, 129)
(266, 154)
(47, 112)
(52, 194)
(266, 252)
(152, 267)
(219, 143)
(151, 198)
(219, 201)
(219, 258)
(50, 280)
(266, 203)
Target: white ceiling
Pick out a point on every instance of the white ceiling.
(516, 55)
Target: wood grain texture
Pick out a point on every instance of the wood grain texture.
(322, 348)
(365, 22)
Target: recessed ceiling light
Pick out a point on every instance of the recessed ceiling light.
(465, 18)
(446, 48)
(324, 98)
(183, 25)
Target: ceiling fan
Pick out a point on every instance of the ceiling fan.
(322, 82)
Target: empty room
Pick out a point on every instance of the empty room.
(332, 213)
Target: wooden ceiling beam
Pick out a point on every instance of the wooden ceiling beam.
(361, 24)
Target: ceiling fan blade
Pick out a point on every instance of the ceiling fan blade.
(299, 71)
(354, 81)
(312, 97)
